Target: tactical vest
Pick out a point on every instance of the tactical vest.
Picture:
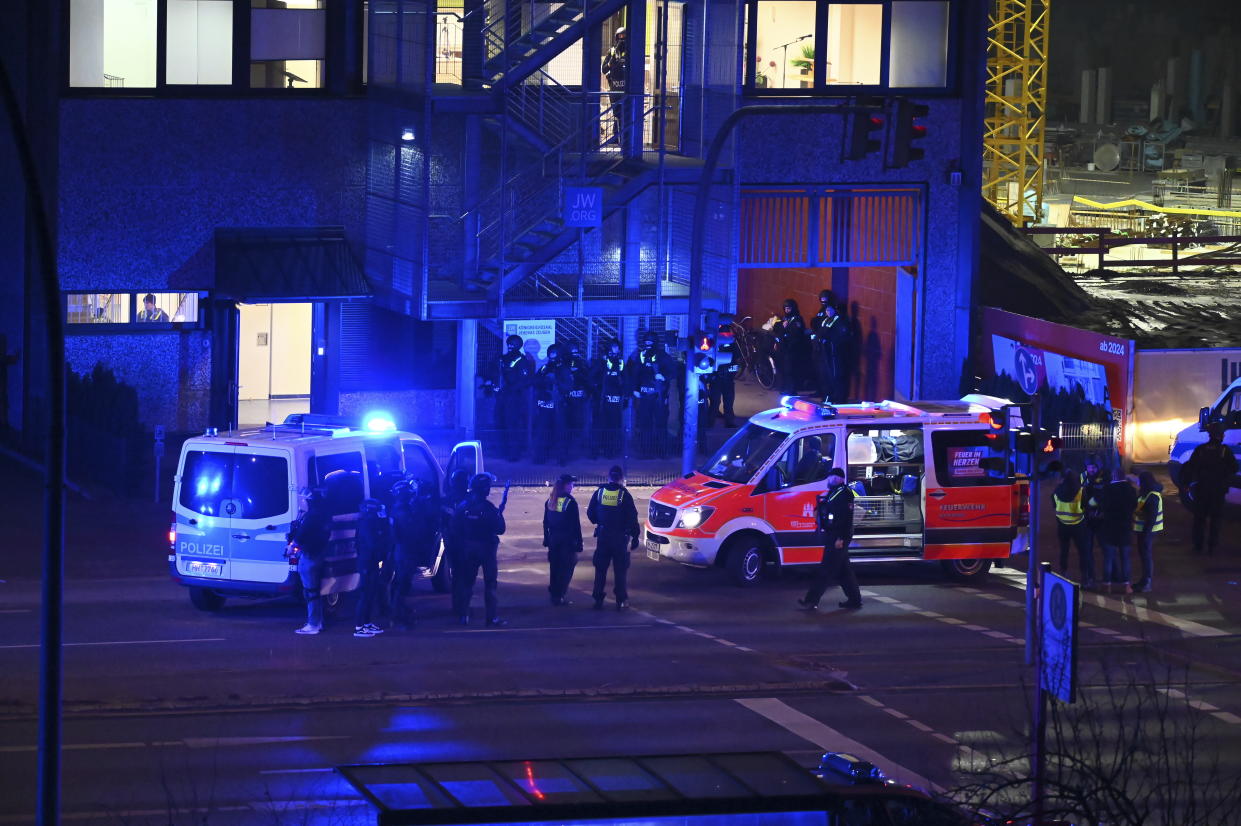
(1139, 522)
(1070, 512)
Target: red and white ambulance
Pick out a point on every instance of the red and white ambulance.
(932, 481)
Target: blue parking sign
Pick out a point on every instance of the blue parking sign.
(1058, 634)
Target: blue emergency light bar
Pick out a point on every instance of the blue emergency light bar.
(810, 408)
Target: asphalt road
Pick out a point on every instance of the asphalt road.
(172, 713)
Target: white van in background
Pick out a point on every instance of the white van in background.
(1225, 410)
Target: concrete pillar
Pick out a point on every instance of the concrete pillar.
(1103, 97)
(1089, 87)
(1227, 109)
(1175, 85)
(467, 369)
(1159, 96)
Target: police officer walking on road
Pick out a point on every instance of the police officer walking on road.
(835, 517)
(479, 525)
(312, 533)
(615, 516)
(374, 544)
(512, 400)
(609, 380)
(651, 374)
(551, 385)
(577, 393)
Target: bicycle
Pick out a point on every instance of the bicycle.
(753, 350)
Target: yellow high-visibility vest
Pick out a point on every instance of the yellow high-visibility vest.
(1070, 512)
(1139, 522)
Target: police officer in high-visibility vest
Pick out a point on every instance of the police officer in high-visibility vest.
(1071, 525)
(1147, 521)
(610, 383)
(615, 517)
(834, 513)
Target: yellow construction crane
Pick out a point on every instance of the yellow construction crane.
(1016, 106)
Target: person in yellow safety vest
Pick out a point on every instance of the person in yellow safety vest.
(1071, 527)
(1147, 521)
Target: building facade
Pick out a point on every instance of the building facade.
(263, 206)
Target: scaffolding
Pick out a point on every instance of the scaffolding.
(1016, 105)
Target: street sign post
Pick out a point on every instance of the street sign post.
(1057, 673)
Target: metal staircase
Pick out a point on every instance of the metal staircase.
(521, 37)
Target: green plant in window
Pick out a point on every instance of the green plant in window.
(806, 62)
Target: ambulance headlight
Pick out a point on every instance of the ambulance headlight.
(695, 516)
(379, 423)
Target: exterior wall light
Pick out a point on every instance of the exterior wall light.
(407, 134)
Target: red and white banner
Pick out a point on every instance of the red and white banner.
(1036, 352)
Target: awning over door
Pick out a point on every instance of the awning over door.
(274, 264)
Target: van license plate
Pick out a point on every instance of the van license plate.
(652, 549)
(197, 567)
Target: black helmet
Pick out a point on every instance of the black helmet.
(514, 340)
(648, 339)
(553, 351)
(480, 484)
(458, 481)
(610, 343)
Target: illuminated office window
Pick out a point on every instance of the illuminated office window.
(200, 42)
(112, 43)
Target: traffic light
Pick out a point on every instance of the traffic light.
(724, 341)
(702, 353)
(907, 132)
(863, 131)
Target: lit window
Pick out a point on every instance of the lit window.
(97, 308)
(854, 44)
(112, 43)
(919, 54)
(200, 42)
(167, 307)
(287, 44)
(784, 44)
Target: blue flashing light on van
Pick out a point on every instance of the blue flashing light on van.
(236, 497)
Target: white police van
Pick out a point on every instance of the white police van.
(237, 494)
(1225, 410)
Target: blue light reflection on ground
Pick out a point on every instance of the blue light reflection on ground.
(412, 752)
(414, 719)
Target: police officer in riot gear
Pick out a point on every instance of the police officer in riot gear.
(829, 335)
(722, 388)
(374, 545)
(457, 491)
(615, 67)
(610, 381)
(615, 517)
(416, 522)
(551, 388)
(512, 397)
(651, 373)
(834, 513)
(577, 395)
(478, 525)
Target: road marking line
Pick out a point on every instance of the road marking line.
(1018, 640)
(16, 610)
(510, 629)
(1228, 717)
(1201, 705)
(900, 715)
(1129, 638)
(946, 739)
(869, 700)
(1126, 608)
(1012, 603)
(952, 620)
(975, 627)
(743, 648)
(920, 726)
(121, 642)
(999, 635)
(889, 600)
(1111, 632)
(725, 642)
(828, 738)
(930, 614)
(991, 596)
(1172, 692)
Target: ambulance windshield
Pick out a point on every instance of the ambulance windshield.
(742, 455)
